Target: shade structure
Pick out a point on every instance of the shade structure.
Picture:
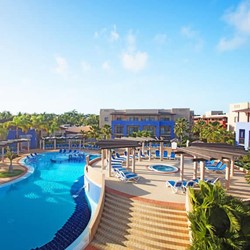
(118, 143)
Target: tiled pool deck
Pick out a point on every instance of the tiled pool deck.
(152, 185)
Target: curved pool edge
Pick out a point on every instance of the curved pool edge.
(29, 171)
(95, 190)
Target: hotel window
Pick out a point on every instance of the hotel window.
(242, 136)
(118, 118)
(106, 119)
(151, 129)
(165, 130)
(118, 129)
(132, 129)
(133, 118)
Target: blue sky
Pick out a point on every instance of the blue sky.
(56, 56)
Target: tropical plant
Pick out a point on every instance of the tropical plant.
(218, 221)
(3, 132)
(10, 155)
(106, 131)
(5, 116)
(181, 128)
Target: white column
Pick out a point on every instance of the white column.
(69, 143)
(80, 141)
(133, 160)
(143, 147)
(161, 151)
(232, 168)
(3, 154)
(195, 168)
(109, 162)
(43, 144)
(102, 154)
(149, 151)
(40, 144)
(202, 170)
(181, 166)
(139, 154)
(127, 160)
(28, 146)
(227, 176)
(55, 144)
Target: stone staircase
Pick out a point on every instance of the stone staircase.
(129, 223)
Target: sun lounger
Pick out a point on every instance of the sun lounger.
(188, 184)
(172, 156)
(175, 186)
(128, 176)
(165, 154)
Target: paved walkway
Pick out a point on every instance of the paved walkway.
(152, 185)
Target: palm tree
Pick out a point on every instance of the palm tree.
(3, 132)
(106, 130)
(198, 129)
(10, 155)
(181, 128)
(216, 220)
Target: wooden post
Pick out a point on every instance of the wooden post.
(202, 170)
(133, 160)
(181, 167)
(109, 162)
(102, 154)
(3, 154)
(127, 160)
(149, 151)
(232, 168)
(227, 175)
(161, 151)
(195, 169)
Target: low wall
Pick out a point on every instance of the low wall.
(94, 183)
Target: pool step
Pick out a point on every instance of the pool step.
(133, 224)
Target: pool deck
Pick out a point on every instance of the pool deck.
(152, 185)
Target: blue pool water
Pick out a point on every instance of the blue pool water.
(35, 209)
(163, 168)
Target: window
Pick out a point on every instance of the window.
(118, 129)
(132, 129)
(118, 118)
(164, 130)
(242, 136)
(106, 119)
(133, 118)
(151, 129)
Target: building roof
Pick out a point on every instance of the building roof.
(118, 143)
(247, 110)
(208, 151)
(143, 112)
(8, 142)
(77, 130)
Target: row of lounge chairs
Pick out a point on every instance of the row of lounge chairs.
(156, 155)
(183, 185)
(213, 166)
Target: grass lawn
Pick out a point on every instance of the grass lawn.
(6, 174)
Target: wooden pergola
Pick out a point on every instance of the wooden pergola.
(5, 144)
(207, 151)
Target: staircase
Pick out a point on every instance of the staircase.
(128, 223)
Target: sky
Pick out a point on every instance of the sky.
(58, 56)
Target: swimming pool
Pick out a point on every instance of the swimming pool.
(163, 168)
(41, 208)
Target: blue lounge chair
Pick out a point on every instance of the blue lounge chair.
(210, 163)
(188, 184)
(157, 154)
(172, 156)
(165, 154)
(175, 186)
(126, 176)
(120, 157)
(216, 167)
(213, 181)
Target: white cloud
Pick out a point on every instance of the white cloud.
(106, 66)
(62, 65)
(230, 44)
(239, 19)
(86, 66)
(134, 62)
(160, 38)
(188, 32)
(193, 36)
(114, 35)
